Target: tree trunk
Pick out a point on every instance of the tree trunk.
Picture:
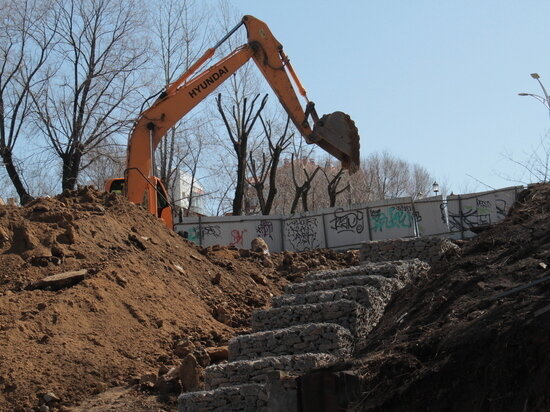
(272, 183)
(7, 158)
(71, 168)
(241, 175)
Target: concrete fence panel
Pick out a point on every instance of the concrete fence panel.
(346, 227)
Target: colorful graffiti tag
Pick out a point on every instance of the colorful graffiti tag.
(395, 217)
(196, 233)
(238, 237)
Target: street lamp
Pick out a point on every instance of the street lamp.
(544, 100)
(435, 188)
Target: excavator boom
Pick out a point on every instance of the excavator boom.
(335, 133)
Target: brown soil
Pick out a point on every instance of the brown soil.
(147, 290)
(454, 342)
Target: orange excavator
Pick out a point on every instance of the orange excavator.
(335, 133)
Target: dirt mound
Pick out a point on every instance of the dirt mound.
(145, 298)
(467, 339)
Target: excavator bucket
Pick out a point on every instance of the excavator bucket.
(337, 134)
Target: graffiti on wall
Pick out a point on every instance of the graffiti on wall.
(478, 214)
(400, 216)
(238, 237)
(500, 206)
(196, 233)
(350, 221)
(302, 233)
(265, 229)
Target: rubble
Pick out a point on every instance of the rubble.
(137, 312)
(145, 290)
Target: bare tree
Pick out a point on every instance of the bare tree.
(420, 181)
(334, 178)
(91, 97)
(243, 118)
(26, 39)
(180, 32)
(267, 165)
(386, 176)
(109, 161)
(301, 189)
(534, 166)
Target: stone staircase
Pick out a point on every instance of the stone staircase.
(315, 324)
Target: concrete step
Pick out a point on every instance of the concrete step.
(256, 371)
(400, 269)
(375, 281)
(351, 315)
(249, 397)
(367, 296)
(311, 338)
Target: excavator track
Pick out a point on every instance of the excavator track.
(337, 134)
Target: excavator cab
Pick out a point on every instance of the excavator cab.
(158, 203)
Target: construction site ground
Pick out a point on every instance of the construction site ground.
(143, 297)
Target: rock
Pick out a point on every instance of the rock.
(44, 408)
(189, 374)
(267, 262)
(244, 253)
(183, 348)
(217, 279)
(259, 279)
(218, 354)
(202, 357)
(299, 267)
(24, 238)
(137, 242)
(288, 259)
(259, 245)
(148, 380)
(163, 369)
(50, 397)
(221, 314)
(4, 236)
(60, 281)
(168, 382)
(180, 269)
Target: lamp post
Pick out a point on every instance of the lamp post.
(435, 188)
(544, 100)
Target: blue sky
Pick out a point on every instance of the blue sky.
(432, 82)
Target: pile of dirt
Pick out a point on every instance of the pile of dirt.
(141, 298)
(475, 336)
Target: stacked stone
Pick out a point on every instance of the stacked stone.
(256, 371)
(249, 397)
(346, 313)
(428, 249)
(315, 324)
(310, 338)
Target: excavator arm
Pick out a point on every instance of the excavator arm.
(335, 133)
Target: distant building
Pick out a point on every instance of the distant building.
(251, 201)
(181, 194)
